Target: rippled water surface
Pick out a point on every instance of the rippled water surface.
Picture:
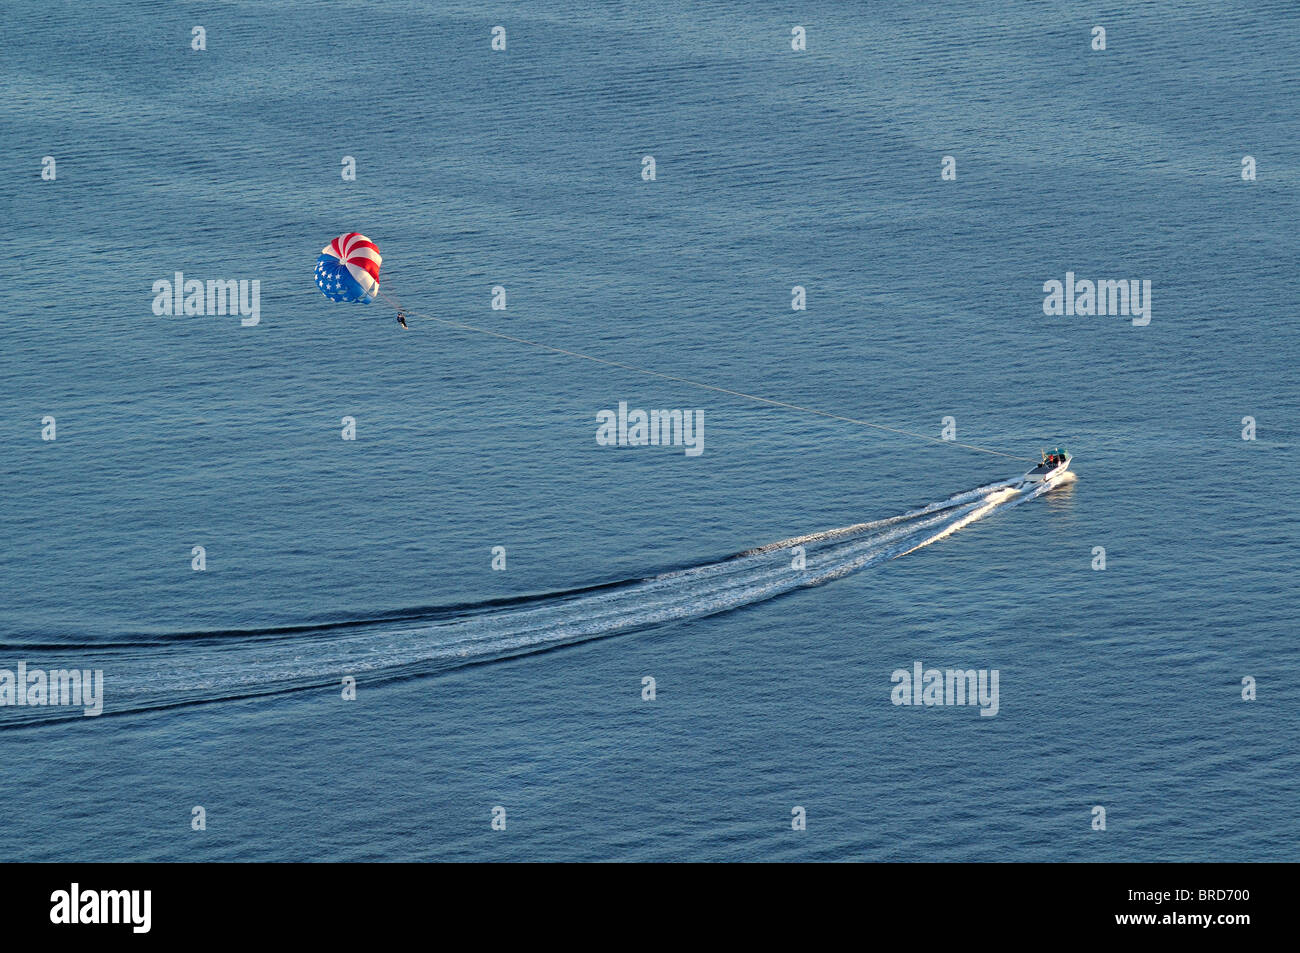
(523, 687)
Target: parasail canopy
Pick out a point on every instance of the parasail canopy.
(348, 269)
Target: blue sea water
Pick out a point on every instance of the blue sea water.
(522, 688)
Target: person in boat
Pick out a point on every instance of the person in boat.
(401, 319)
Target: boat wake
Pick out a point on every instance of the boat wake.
(193, 668)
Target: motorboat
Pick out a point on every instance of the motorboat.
(1055, 463)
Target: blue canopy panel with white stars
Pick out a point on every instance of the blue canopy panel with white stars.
(336, 283)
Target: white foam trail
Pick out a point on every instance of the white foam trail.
(210, 670)
(992, 501)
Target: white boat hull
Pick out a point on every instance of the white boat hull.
(1041, 474)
